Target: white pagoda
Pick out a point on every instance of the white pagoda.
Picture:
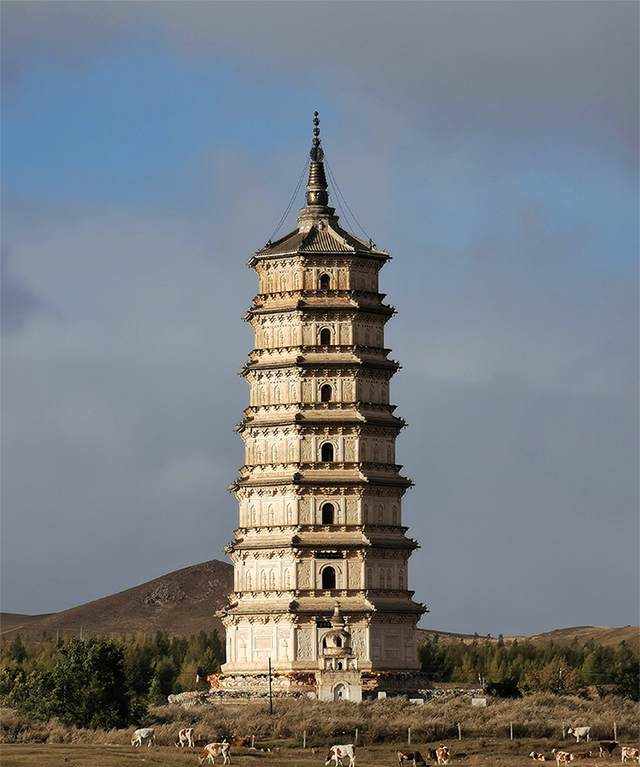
(321, 599)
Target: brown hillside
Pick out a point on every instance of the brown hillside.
(181, 603)
(184, 602)
(582, 634)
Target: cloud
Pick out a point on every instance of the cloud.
(18, 303)
(485, 145)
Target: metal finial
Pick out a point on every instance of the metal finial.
(316, 154)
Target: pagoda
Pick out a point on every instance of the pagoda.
(321, 599)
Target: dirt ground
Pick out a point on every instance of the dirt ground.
(496, 753)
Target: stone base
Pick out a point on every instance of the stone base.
(325, 685)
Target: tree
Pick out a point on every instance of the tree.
(89, 685)
(86, 688)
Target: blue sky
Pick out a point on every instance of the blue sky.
(149, 148)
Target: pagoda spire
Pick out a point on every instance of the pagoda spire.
(317, 194)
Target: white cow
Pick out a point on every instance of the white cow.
(145, 733)
(186, 737)
(211, 750)
(579, 732)
(337, 753)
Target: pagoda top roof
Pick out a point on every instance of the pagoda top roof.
(318, 230)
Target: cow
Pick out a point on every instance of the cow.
(144, 733)
(581, 755)
(537, 757)
(337, 754)
(415, 757)
(630, 754)
(431, 755)
(579, 732)
(240, 742)
(562, 757)
(211, 750)
(186, 738)
(607, 747)
(442, 754)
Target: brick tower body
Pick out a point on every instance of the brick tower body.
(321, 597)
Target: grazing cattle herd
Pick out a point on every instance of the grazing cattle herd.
(336, 755)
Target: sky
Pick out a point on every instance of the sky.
(150, 148)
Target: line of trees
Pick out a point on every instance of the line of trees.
(102, 682)
(519, 668)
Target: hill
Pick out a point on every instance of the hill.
(185, 602)
(181, 603)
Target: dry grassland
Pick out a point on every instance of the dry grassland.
(537, 723)
(494, 753)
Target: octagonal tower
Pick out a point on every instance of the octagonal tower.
(321, 586)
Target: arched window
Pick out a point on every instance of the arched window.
(389, 454)
(369, 578)
(389, 579)
(376, 453)
(287, 579)
(380, 514)
(325, 337)
(328, 578)
(325, 393)
(326, 452)
(401, 579)
(263, 580)
(272, 580)
(253, 516)
(271, 515)
(325, 282)
(247, 580)
(327, 514)
(381, 579)
(395, 515)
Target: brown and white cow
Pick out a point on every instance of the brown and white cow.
(630, 754)
(186, 737)
(581, 755)
(431, 755)
(562, 757)
(337, 754)
(607, 747)
(537, 757)
(442, 754)
(415, 757)
(240, 742)
(211, 750)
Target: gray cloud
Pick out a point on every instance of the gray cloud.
(18, 303)
(517, 335)
(501, 64)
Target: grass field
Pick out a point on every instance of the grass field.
(498, 753)
(379, 728)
